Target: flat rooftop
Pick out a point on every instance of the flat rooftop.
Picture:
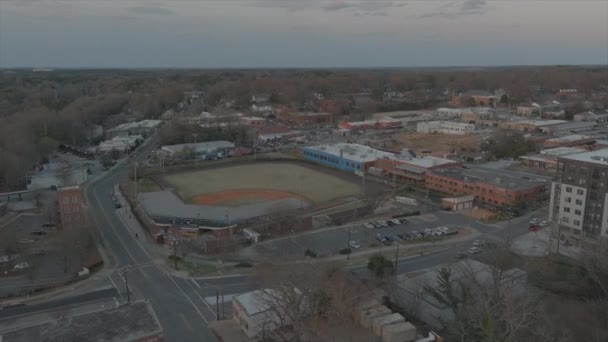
(311, 113)
(498, 178)
(199, 147)
(599, 157)
(424, 161)
(569, 138)
(137, 124)
(165, 205)
(355, 152)
(132, 322)
(561, 151)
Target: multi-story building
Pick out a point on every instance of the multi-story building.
(445, 127)
(490, 190)
(547, 159)
(343, 156)
(71, 205)
(409, 168)
(579, 196)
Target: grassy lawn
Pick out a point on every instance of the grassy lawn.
(313, 185)
(147, 185)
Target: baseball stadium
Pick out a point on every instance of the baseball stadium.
(221, 195)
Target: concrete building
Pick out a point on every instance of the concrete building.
(382, 123)
(344, 156)
(304, 119)
(122, 144)
(566, 128)
(280, 136)
(530, 126)
(491, 190)
(445, 127)
(599, 116)
(569, 141)
(579, 196)
(411, 288)
(252, 312)
(144, 128)
(547, 159)
(253, 121)
(71, 206)
(200, 150)
(477, 97)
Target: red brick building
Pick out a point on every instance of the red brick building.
(71, 205)
(489, 189)
(412, 170)
(479, 97)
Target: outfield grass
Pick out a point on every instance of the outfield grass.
(313, 185)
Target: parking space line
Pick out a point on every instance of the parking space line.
(115, 286)
(195, 283)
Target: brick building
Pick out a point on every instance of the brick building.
(490, 190)
(71, 205)
(479, 97)
(408, 168)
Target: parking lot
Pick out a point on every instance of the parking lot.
(330, 241)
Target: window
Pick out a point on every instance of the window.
(579, 202)
(577, 212)
(579, 191)
(565, 220)
(566, 210)
(577, 222)
(66, 200)
(74, 199)
(568, 199)
(582, 181)
(568, 189)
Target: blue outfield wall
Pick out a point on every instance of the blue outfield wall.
(327, 159)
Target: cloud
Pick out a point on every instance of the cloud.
(151, 10)
(360, 8)
(451, 11)
(290, 5)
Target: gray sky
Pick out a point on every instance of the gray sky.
(301, 33)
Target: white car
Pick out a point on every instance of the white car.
(474, 250)
(354, 244)
(534, 220)
(543, 223)
(443, 229)
(396, 221)
(478, 243)
(370, 226)
(428, 231)
(21, 265)
(382, 223)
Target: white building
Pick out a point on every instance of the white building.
(579, 197)
(252, 312)
(144, 127)
(200, 149)
(120, 143)
(445, 127)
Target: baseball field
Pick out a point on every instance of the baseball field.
(254, 183)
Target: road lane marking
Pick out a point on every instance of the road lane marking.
(203, 300)
(115, 286)
(195, 283)
(186, 321)
(188, 298)
(113, 228)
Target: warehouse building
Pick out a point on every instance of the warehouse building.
(144, 128)
(344, 156)
(569, 141)
(445, 127)
(200, 150)
(547, 159)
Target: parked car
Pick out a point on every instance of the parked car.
(396, 221)
(477, 243)
(534, 220)
(534, 228)
(370, 225)
(354, 244)
(443, 229)
(39, 232)
(380, 238)
(428, 230)
(382, 223)
(474, 250)
(543, 223)
(403, 236)
(21, 265)
(49, 225)
(390, 238)
(462, 256)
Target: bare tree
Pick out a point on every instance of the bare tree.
(310, 302)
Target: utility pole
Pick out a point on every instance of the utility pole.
(195, 135)
(396, 260)
(348, 245)
(135, 181)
